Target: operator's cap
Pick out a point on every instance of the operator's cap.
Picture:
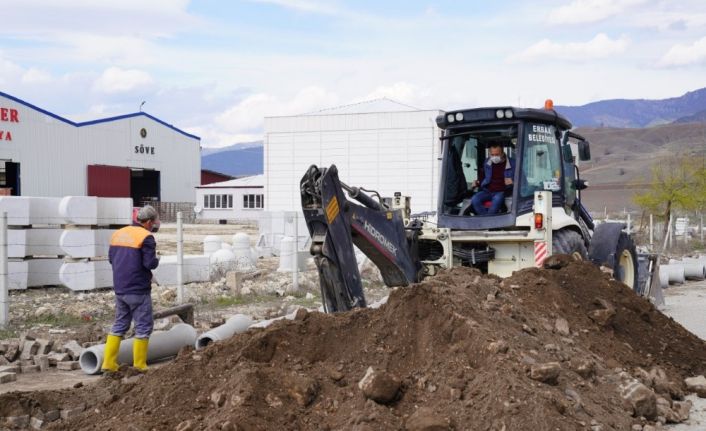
(147, 213)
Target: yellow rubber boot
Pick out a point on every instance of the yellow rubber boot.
(139, 353)
(110, 354)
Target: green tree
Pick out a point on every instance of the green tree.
(677, 183)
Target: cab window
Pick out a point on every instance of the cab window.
(541, 160)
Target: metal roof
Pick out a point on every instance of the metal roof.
(367, 107)
(101, 120)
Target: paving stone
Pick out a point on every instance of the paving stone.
(7, 377)
(45, 346)
(42, 361)
(12, 368)
(72, 412)
(51, 415)
(29, 349)
(13, 351)
(36, 423)
(26, 369)
(68, 366)
(74, 349)
(55, 358)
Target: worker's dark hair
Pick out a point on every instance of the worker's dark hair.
(496, 145)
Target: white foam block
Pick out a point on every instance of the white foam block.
(114, 211)
(79, 210)
(81, 243)
(86, 275)
(44, 210)
(34, 242)
(18, 273)
(44, 272)
(17, 209)
(196, 269)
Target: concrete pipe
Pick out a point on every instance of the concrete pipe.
(674, 272)
(163, 344)
(234, 325)
(695, 273)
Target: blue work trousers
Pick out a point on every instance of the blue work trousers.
(133, 307)
(482, 196)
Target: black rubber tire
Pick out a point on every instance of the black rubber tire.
(567, 241)
(627, 246)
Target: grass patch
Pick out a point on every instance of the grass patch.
(61, 319)
(6, 333)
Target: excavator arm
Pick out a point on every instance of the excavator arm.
(338, 217)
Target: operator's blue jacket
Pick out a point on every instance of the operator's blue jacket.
(488, 170)
(133, 256)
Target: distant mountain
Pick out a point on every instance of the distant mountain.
(236, 160)
(699, 117)
(626, 113)
(238, 146)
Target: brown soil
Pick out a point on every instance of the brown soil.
(435, 338)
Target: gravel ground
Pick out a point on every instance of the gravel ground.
(687, 305)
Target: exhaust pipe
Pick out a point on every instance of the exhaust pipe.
(162, 345)
(234, 325)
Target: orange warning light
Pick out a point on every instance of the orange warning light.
(549, 104)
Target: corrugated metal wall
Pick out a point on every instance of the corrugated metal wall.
(54, 155)
(388, 152)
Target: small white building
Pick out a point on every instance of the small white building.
(380, 145)
(134, 155)
(238, 199)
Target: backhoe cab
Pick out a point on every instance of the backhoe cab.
(536, 211)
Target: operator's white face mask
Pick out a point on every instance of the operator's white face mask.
(496, 159)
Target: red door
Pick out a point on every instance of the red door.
(108, 181)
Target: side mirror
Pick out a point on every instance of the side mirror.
(584, 151)
(580, 184)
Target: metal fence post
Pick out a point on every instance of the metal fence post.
(652, 242)
(180, 259)
(4, 296)
(295, 270)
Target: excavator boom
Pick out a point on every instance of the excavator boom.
(339, 217)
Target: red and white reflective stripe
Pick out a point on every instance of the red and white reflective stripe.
(540, 253)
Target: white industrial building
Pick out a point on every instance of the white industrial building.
(134, 155)
(238, 199)
(381, 145)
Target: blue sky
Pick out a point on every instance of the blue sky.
(216, 68)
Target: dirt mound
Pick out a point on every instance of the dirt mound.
(557, 349)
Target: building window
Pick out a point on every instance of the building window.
(218, 201)
(253, 201)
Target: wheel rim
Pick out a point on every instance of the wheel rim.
(627, 268)
(577, 255)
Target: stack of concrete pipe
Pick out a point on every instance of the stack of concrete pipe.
(678, 271)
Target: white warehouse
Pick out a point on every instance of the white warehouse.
(238, 199)
(134, 155)
(380, 145)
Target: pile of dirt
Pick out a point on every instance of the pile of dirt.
(560, 349)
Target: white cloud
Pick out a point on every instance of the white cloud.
(117, 80)
(311, 6)
(36, 76)
(403, 92)
(587, 11)
(247, 117)
(685, 54)
(599, 47)
(9, 71)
